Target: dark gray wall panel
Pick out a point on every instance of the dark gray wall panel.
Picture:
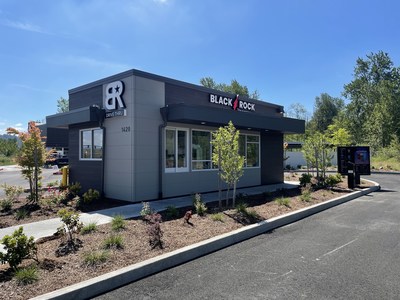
(271, 158)
(175, 94)
(84, 98)
(87, 173)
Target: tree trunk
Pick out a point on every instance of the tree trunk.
(227, 195)
(234, 194)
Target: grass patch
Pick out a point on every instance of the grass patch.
(390, 164)
(27, 275)
(95, 258)
(118, 223)
(172, 212)
(21, 214)
(218, 217)
(91, 227)
(114, 242)
(283, 201)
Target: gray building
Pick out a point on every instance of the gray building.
(137, 136)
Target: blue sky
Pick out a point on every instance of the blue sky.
(290, 51)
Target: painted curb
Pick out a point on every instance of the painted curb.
(120, 277)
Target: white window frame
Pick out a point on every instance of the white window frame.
(80, 144)
(176, 169)
(245, 150)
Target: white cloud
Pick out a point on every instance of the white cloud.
(23, 26)
(89, 62)
(30, 88)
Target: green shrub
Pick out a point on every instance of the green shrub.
(241, 207)
(6, 205)
(333, 180)
(114, 241)
(74, 189)
(21, 213)
(172, 212)
(252, 215)
(86, 229)
(146, 210)
(118, 223)
(90, 196)
(306, 193)
(95, 258)
(17, 247)
(305, 178)
(12, 191)
(218, 217)
(199, 206)
(71, 222)
(53, 183)
(283, 201)
(27, 275)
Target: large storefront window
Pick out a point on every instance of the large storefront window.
(201, 150)
(176, 145)
(249, 147)
(91, 144)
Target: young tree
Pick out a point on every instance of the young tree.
(31, 158)
(226, 156)
(316, 150)
(337, 135)
(62, 105)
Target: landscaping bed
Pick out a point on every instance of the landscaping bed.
(56, 272)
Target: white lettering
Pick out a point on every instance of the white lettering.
(226, 101)
(246, 105)
(213, 98)
(113, 98)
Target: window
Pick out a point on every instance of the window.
(91, 144)
(201, 150)
(249, 147)
(176, 145)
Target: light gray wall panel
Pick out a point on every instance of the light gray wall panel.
(119, 166)
(149, 98)
(202, 181)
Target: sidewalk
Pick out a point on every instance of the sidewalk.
(49, 227)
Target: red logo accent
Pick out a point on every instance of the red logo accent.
(236, 103)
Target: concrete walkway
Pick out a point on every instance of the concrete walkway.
(49, 227)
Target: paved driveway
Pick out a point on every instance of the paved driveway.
(348, 252)
(12, 176)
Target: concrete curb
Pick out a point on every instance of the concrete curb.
(118, 278)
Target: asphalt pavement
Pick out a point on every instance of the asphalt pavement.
(347, 252)
(12, 176)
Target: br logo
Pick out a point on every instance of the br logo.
(113, 99)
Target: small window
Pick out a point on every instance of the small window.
(249, 147)
(91, 141)
(201, 150)
(176, 148)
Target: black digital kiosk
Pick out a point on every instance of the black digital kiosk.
(354, 161)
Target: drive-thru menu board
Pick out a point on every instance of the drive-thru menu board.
(355, 159)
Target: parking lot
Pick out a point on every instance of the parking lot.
(12, 176)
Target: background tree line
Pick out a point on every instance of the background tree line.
(371, 115)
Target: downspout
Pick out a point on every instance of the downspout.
(164, 115)
(101, 116)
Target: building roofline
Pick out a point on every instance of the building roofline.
(135, 72)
